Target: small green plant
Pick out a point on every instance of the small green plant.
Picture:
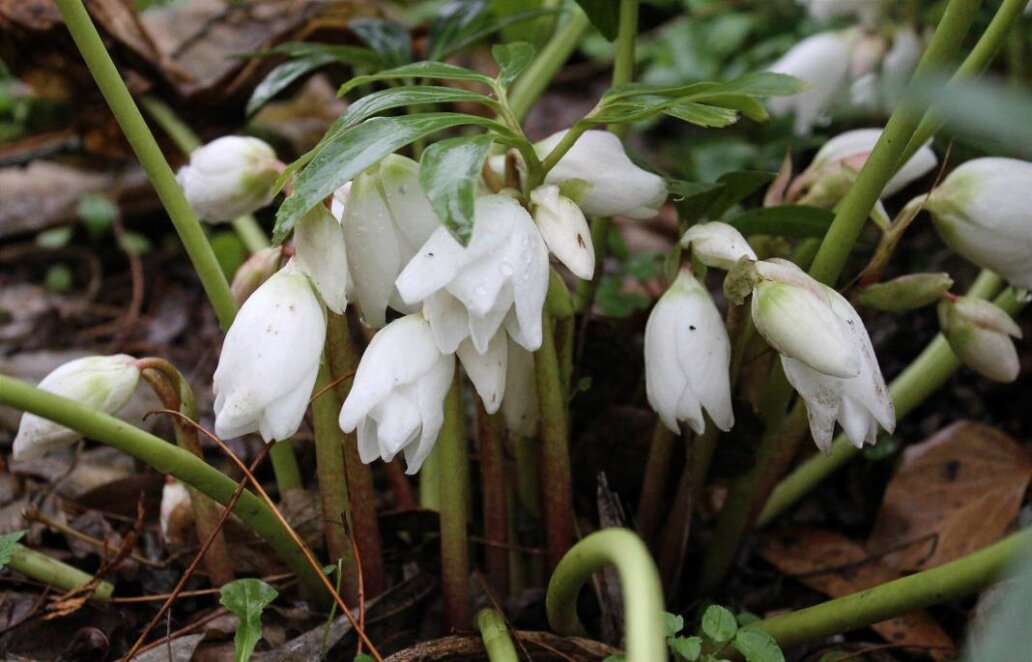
(719, 629)
(247, 599)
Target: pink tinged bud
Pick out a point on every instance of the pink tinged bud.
(981, 211)
(980, 333)
(687, 355)
(615, 186)
(822, 62)
(397, 400)
(270, 359)
(102, 383)
(229, 177)
(254, 271)
(565, 230)
(793, 312)
(321, 255)
(717, 245)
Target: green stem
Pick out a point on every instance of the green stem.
(533, 82)
(153, 161)
(654, 482)
(454, 496)
(556, 475)
(164, 458)
(926, 374)
(586, 289)
(623, 66)
(285, 467)
(639, 580)
(52, 572)
(491, 436)
(495, 633)
(957, 579)
(430, 481)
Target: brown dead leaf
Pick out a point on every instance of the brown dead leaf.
(951, 495)
(835, 565)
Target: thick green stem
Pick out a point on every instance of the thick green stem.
(153, 161)
(52, 572)
(639, 580)
(495, 634)
(623, 65)
(430, 481)
(285, 467)
(549, 61)
(926, 374)
(654, 482)
(454, 498)
(555, 472)
(164, 458)
(957, 579)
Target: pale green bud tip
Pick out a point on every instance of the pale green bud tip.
(980, 333)
(906, 292)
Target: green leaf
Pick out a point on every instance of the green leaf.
(247, 598)
(389, 39)
(282, 76)
(615, 658)
(692, 199)
(702, 114)
(765, 84)
(746, 618)
(438, 70)
(719, 624)
(363, 657)
(97, 212)
(449, 171)
(55, 237)
(744, 103)
(604, 15)
(687, 648)
(674, 623)
(398, 97)
(615, 302)
(454, 22)
(294, 49)
(513, 59)
(737, 186)
(346, 154)
(789, 221)
(757, 645)
(8, 543)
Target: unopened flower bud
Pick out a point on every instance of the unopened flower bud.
(717, 245)
(565, 230)
(906, 292)
(230, 176)
(254, 271)
(980, 333)
(321, 255)
(102, 383)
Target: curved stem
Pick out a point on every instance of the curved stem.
(639, 580)
(164, 458)
(153, 161)
(52, 572)
(495, 634)
(963, 577)
(536, 78)
(454, 460)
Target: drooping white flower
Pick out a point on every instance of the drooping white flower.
(717, 244)
(823, 61)
(270, 359)
(564, 229)
(387, 217)
(794, 313)
(397, 400)
(103, 383)
(470, 291)
(866, 10)
(520, 404)
(900, 61)
(254, 271)
(980, 333)
(487, 370)
(687, 355)
(615, 185)
(981, 211)
(230, 176)
(322, 256)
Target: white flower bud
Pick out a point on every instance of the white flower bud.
(229, 177)
(980, 333)
(981, 211)
(254, 271)
(487, 370)
(270, 359)
(565, 230)
(321, 255)
(175, 507)
(823, 62)
(103, 383)
(717, 244)
(615, 185)
(687, 355)
(793, 312)
(397, 400)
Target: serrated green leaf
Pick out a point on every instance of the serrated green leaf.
(247, 599)
(718, 624)
(604, 15)
(437, 70)
(765, 84)
(789, 221)
(293, 49)
(743, 103)
(398, 97)
(687, 648)
(757, 645)
(513, 59)
(449, 171)
(346, 154)
(702, 114)
(673, 623)
(389, 39)
(8, 543)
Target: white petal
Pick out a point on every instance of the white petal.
(717, 244)
(822, 61)
(448, 320)
(322, 256)
(487, 371)
(373, 250)
(664, 380)
(565, 230)
(432, 392)
(434, 266)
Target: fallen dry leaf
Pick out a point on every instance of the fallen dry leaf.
(835, 565)
(951, 495)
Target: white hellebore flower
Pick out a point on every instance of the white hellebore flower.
(103, 383)
(823, 62)
(387, 217)
(980, 333)
(564, 229)
(982, 212)
(687, 355)
(229, 177)
(397, 400)
(615, 185)
(717, 245)
(320, 253)
(270, 359)
(470, 291)
(813, 323)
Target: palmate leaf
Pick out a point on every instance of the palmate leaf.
(449, 171)
(438, 70)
